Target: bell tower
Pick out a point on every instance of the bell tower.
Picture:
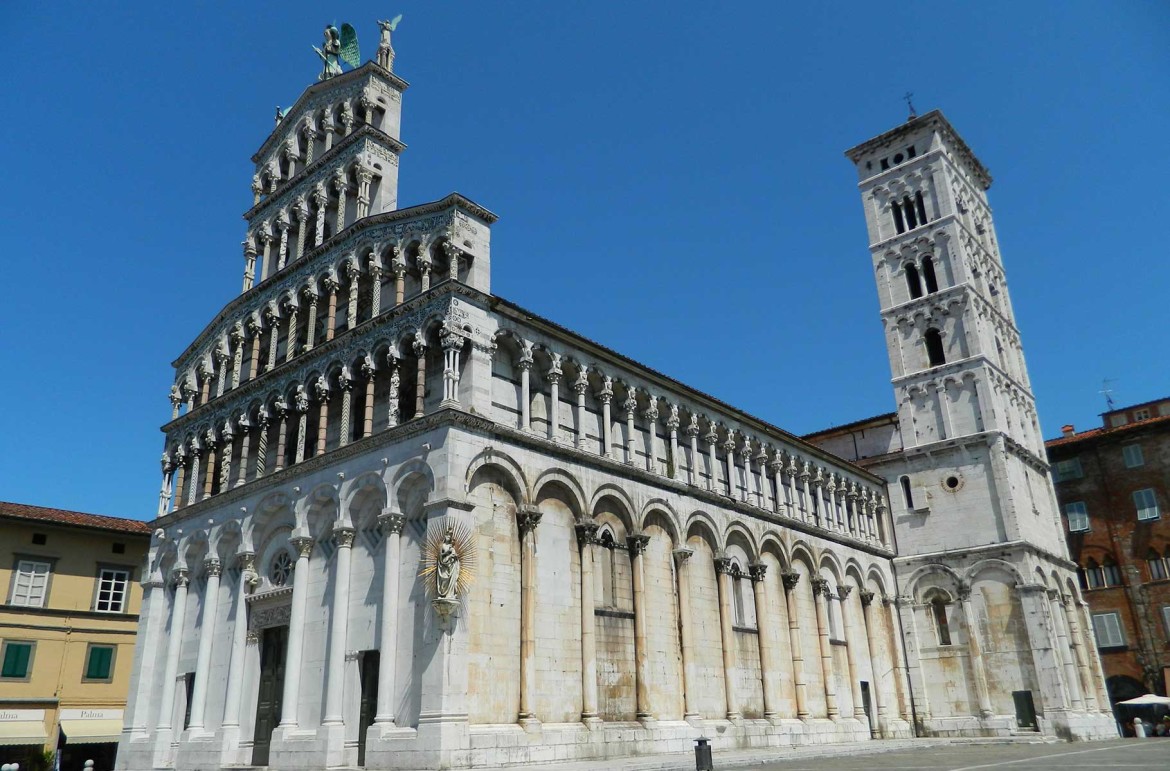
(994, 627)
(957, 365)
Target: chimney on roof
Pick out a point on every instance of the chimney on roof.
(1068, 430)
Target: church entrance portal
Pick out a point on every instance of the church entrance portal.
(273, 643)
(369, 704)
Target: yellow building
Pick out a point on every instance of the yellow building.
(70, 612)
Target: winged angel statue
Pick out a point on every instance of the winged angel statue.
(338, 47)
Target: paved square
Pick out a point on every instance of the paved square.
(1120, 753)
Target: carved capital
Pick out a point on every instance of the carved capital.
(758, 571)
(586, 533)
(790, 579)
(724, 565)
(344, 536)
(212, 567)
(844, 591)
(637, 544)
(682, 554)
(866, 598)
(391, 522)
(303, 546)
(821, 586)
(527, 518)
(180, 577)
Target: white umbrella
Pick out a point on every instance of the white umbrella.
(1148, 699)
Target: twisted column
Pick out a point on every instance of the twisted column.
(309, 294)
(301, 405)
(395, 385)
(354, 272)
(346, 385)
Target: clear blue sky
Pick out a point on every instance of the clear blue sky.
(669, 177)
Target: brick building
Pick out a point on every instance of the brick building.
(1113, 484)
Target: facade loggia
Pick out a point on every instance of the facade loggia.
(645, 564)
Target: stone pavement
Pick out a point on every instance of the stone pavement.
(780, 758)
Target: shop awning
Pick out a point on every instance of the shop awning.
(22, 732)
(91, 731)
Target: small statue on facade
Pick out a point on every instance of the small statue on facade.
(448, 567)
(338, 46)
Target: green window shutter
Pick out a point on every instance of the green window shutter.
(16, 656)
(98, 667)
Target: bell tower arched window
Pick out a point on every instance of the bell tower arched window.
(907, 493)
(934, 347)
(937, 605)
(912, 281)
(928, 275)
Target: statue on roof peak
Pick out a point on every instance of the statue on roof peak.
(339, 46)
(385, 50)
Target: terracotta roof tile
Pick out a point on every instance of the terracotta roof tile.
(63, 517)
(1095, 433)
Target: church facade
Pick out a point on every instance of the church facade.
(404, 523)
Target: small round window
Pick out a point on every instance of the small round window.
(282, 568)
(898, 158)
(952, 483)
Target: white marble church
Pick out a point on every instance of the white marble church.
(405, 523)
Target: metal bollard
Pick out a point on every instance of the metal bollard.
(703, 755)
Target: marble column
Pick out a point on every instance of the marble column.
(528, 517)
(354, 272)
(1094, 657)
(672, 424)
(272, 319)
(525, 367)
(711, 437)
(331, 286)
(393, 405)
(682, 557)
(255, 329)
(872, 643)
(213, 569)
(553, 376)
(894, 637)
(452, 345)
(246, 583)
(291, 694)
(586, 537)
(301, 405)
(630, 405)
(291, 308)
(424, 270)
(637, 545)
(309, 294)
(792, 605)
(398, 266)
(211, 442)
(1077, 643)
(851, 645)
(1071, 679)
(822, 594)
(975, 651)
(391, 523)
(723, 568)
(605, 396)
(338, 626)
(193, 483)
(768, 669)
(345, 383)
(368, 414)
(732, 470)
(693, 436)
(420, 392)
(166, 717)
(580, 386)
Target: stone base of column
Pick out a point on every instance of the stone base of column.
(529, 723)
(735, 718)
(694, 719)
(450, 404)
(648, 722)
(135, 750)
(163, 751)
(294, 747)
(1084, 726)
(895, 728)
(591, 721)
(331, 739)
(198, 748)
(230, 753)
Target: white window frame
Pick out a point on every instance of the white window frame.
(1107, 630)
(1145, 501)
(1077, 509)
(26, 592)
(112, 575)
(1070, 468)
(1132, 453)
(1142, 414)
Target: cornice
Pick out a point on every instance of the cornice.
(934, 119)
(949, 556)
(959, 365)
(288, 187)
